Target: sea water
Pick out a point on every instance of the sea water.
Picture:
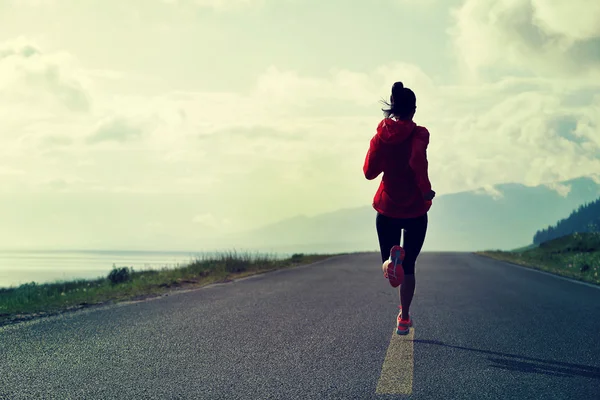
(18, 267)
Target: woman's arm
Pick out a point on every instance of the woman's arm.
(373, 162)
(418, 160)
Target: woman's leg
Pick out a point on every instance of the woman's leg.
(414, 237)
(389, 231)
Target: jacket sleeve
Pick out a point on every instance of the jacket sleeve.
(373, 162)
(418, 160)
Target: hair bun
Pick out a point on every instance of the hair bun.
(398, 85)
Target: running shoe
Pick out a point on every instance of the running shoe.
(403, 324)
(392, 268)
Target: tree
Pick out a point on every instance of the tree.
(585, 219)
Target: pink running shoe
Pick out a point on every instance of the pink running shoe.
(392, 268)
(403, 324)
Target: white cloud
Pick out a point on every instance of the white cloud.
(548, 38)
(490, 190)
(10, 171)
(204, 219)
(588, 123)
(47, 80)
(291, 139)
(492, 133)
(419, 3)
(33, 3)
(511, 140)
(562, 190)
(575, 20)
(212, 224)
(100, 119)
(115, 129)
(62, 184)
(220, 5)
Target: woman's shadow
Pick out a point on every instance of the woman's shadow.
(513, 362)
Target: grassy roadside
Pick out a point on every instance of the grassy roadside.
(34, 300)
(574, 256)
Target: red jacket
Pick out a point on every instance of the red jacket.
(399, 151)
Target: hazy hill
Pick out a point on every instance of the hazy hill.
(503, 217)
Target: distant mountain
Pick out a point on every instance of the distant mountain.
(585, 219)
(507, 218)
(501, 217)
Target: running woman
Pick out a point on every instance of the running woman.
(399, 151)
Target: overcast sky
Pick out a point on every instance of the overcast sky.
(259, 110)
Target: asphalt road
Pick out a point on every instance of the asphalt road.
(483, 330)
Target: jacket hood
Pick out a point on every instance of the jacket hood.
(394, 132)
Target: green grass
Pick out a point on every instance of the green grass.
(524, 248)
(575, 256)
(33, 300)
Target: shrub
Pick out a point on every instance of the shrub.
(119, 275)
(585, 267)
(235, 266)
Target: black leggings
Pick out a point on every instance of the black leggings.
(389, 231)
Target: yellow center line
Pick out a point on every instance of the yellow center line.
(397, 371)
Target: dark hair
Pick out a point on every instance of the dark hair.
(403, 102)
